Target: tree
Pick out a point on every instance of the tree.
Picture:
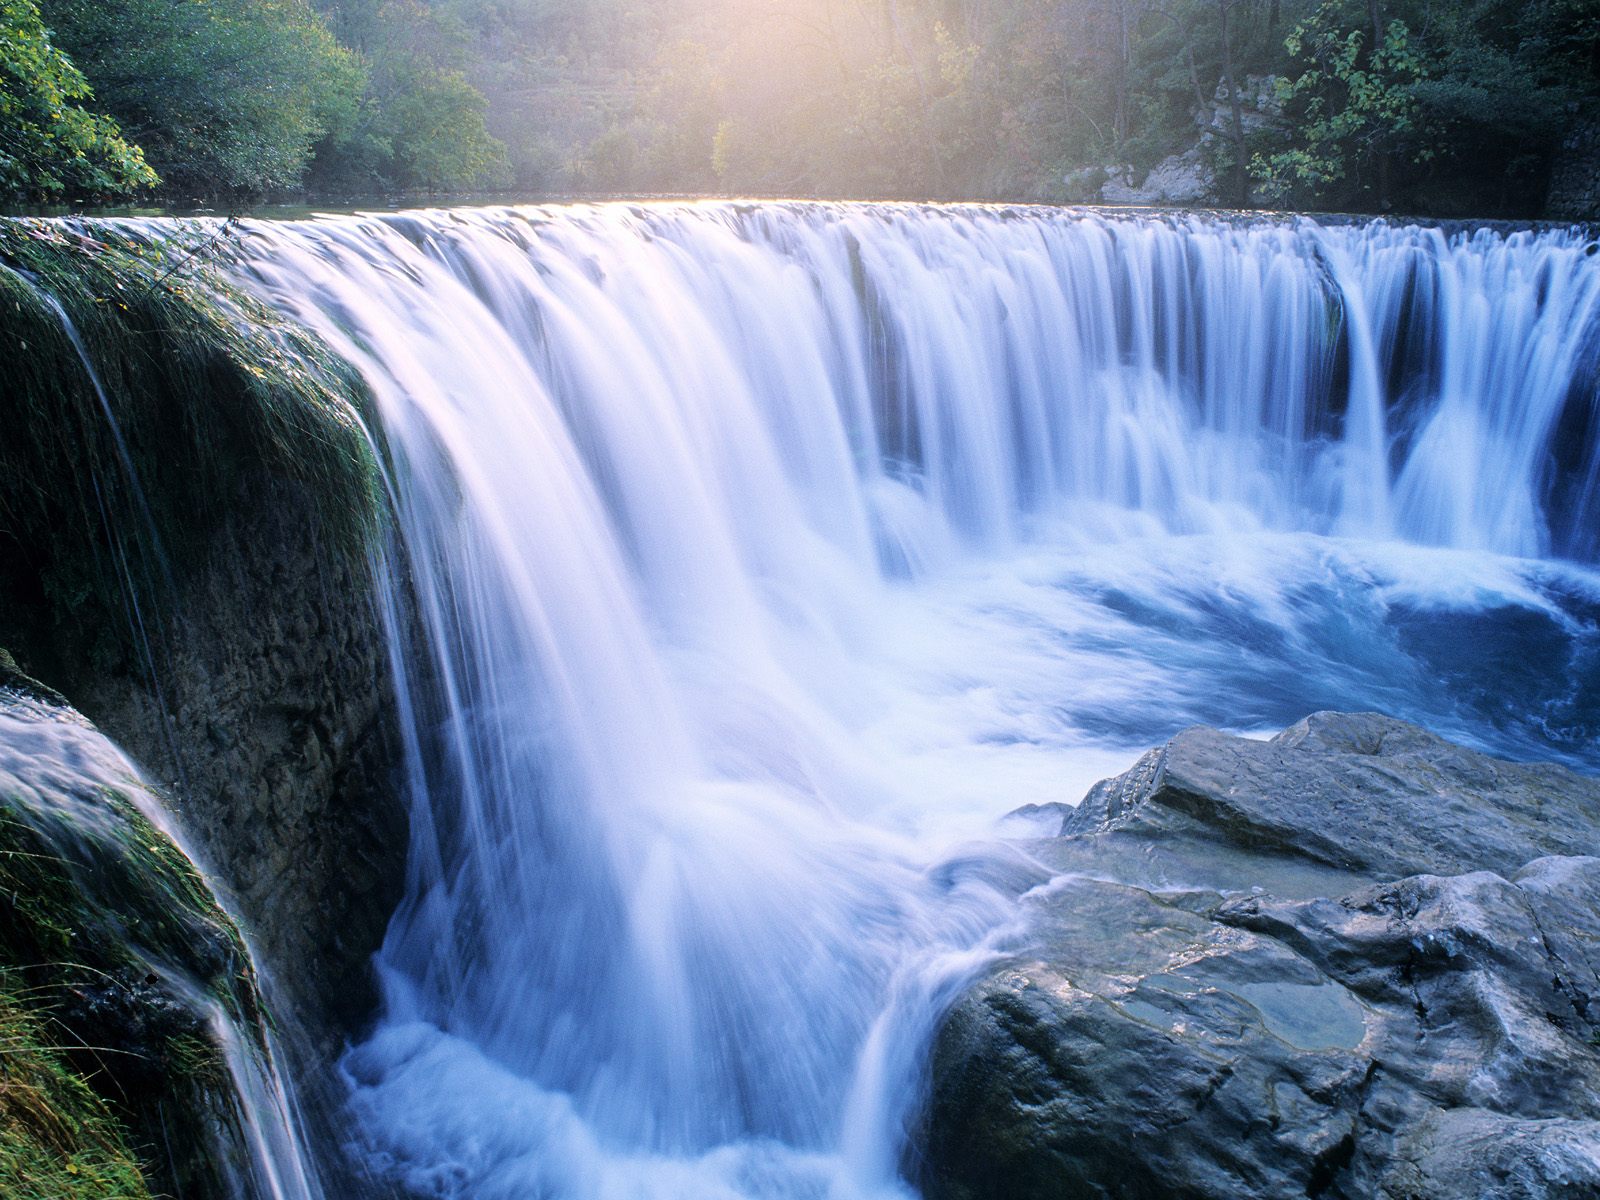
(420, 123)
(50, 146)
(1353, 108)
(1505, 79)
(434, 120)
(227, 97)
(1457, 109)
(1241, 187)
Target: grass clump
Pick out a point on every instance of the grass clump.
(147, 397)
(99, 914)
(57, 1137)
(94, 893)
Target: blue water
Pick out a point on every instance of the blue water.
(769, 555)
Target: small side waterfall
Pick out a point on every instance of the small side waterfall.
(769, 554)
(72, 789)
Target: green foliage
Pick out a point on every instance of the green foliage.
(911, 98)
(682, 119)
(1459, 109)
(57, 1137)
(51, 146)
(1383, 101)
(420, 124)
(1352, 110)
(1041, 99)
(433, 119)
(226, 97)
(93, 890)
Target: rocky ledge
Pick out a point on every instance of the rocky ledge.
(1352, 961)
(129, 1009)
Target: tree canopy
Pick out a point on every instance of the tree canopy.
(420, 123)
(1362, 104)
(236, 99)
(224, 96)
(50, 144)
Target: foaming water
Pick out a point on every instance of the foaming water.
(767, 555)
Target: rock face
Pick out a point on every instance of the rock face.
(1575, 176)
(264, 709)
(1185, 178)
(1355, 961)
(188, 496)
(119, 973)
(1188, 177)
(271, 728)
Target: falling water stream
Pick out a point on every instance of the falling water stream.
(768, 555)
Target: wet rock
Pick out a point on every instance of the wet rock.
(271, 727)
(1355, 961)
(118, 972)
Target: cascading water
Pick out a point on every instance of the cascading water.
(769, 554)
(60, 778)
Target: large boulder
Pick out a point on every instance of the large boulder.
(1184, 178)
(1188, 177)
(1354, 961)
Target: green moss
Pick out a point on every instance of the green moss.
(109, 894)
(146, 398)
(98, 909)
(58, 1139)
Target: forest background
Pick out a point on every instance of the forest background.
(1444, 107)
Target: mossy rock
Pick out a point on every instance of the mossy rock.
(115, 959)
(192, 503)
(146, 394)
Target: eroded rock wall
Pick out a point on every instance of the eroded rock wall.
(190, 507)
(269, 720)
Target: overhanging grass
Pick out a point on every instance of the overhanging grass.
(112, 952)
(118, 1077)
(205, 399)
(57, 1137)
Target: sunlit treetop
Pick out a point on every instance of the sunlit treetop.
(51, 145)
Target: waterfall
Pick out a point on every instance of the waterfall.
(767, 555)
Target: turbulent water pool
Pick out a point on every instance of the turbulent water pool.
(770, 555)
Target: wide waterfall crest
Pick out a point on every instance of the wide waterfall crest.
(766, 553)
